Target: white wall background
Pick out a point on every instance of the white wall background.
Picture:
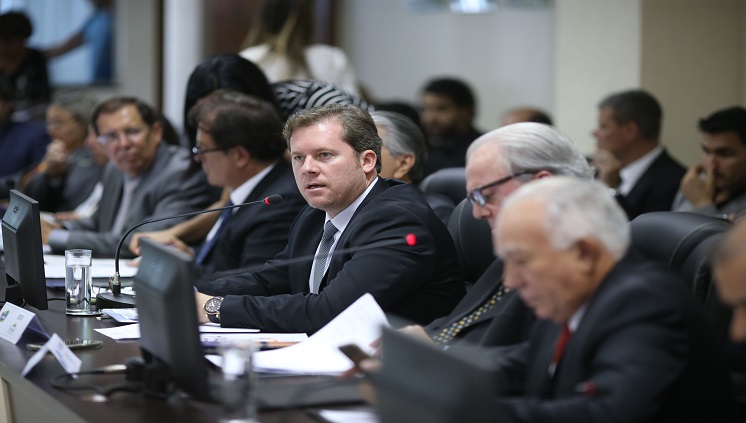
(598, 52)
(506, 56)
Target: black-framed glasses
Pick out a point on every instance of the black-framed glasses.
(476, 196)
(131, 134)
(198, 151)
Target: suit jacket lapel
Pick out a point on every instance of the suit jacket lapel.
(113, 185)
(487, 285)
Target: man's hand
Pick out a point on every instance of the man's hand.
(56, 159)
(608, 168)
(417, 331)
(162, 237)
(700, 192)
(46, 228)
(66, 216)
(201, 299)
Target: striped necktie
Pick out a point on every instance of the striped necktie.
(327, 240)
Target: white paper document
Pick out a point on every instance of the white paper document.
(349, 416)
(54, 268)
(121, 332)
(359, 324)
(133, 331)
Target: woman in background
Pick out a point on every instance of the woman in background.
(280, 44)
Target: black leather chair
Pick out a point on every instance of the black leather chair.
(686, 242)
(450, 182)
(473, 242)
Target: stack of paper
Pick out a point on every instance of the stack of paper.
(359, 324)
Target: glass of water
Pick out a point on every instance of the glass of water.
(78, 283)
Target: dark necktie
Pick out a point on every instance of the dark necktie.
(327, 240)
(225, 215)
(559, 348)
(447, 334)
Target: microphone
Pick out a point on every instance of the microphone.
(409, 239)
(115, 284)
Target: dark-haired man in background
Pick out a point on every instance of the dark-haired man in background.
(630, 158)
(448, 110)
(240, 147)
(718, 184)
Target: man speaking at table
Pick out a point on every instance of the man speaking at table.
(335, 152)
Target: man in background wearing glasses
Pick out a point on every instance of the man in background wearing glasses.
(145, 179)
(498, 163)
(240, 147)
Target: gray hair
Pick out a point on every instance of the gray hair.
(79, 103)
(403, 137)
(575, 209)
(534, 146)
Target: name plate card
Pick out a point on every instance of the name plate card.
(14, 321)
(69, 361)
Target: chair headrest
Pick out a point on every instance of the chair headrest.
(450, 182)
(473, 241)
(683, 241)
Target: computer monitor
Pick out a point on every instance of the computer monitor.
(169, 337)
(24, 257)
(419, 382)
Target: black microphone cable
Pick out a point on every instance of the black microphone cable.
(66, 381)
(116, 286)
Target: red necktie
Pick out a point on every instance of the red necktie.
(559, 348)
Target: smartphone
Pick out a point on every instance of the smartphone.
(354, 353)
(73, 344)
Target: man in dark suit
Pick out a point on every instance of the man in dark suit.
(489, 315)
(240, 146)
(630, 159)
(448, 110)
(335, 154)
(619, 338)
(145, 179)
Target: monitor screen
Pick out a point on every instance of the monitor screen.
(24, 257)
(166, 308)
(419, 382)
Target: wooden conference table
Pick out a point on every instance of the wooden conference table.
(33, 399)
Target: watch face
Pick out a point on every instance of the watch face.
(213, 305)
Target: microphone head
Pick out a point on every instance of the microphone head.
(273, 199)
(411, 240)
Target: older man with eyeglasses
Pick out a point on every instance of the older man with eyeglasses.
(145, 179)
(498, 163)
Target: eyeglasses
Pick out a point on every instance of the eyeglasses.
(131, 134)
(198, 151)
(476, 196)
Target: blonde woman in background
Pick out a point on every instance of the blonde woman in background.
(280, 44)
